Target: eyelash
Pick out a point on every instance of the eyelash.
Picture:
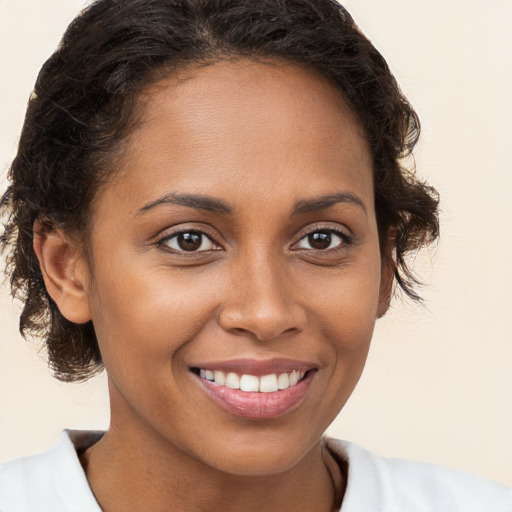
(345, 238)
(164, 241)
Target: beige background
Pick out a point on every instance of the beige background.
(438, 384)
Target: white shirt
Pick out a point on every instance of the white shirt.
(54, 481)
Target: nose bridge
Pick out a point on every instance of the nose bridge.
(262, 301)
(263, 281)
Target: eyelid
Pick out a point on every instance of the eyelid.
(169, 233)
(344, 234)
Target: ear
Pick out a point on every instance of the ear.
(65, 272)
(387, 271)
(387, 275)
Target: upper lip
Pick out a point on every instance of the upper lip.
(257, 367)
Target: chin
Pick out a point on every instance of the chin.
(262, 454)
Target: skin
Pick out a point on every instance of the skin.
(261, 138)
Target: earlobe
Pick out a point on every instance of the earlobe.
(65, 272)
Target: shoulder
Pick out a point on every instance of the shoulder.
(395, 485)
(50, 481)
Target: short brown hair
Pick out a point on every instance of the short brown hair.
(82, 107)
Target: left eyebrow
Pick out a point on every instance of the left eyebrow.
(197, 202)
(324, 202)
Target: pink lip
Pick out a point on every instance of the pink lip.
(257, 406)
(256, 367)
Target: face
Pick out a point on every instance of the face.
(237, 248)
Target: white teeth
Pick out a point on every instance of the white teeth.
(233, 381)
(249, 383)
(252, 384)
(268, 383)
(294, 378)
(206, 374)
(219, 377)
(283, 381)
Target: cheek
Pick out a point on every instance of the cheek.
(144, 316)
(346, 314)
(144, 321)
(346, 303)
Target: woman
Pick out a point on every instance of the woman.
(208, 200)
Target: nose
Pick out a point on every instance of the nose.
(262, 302)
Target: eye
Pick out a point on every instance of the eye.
(189, 241)
(322, 240)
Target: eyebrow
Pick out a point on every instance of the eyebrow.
(324, 202)
(198, 202)
(210, 204)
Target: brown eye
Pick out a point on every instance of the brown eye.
(323, 240)
(320, 240)
(189, 241)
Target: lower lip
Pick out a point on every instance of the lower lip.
(263, 406)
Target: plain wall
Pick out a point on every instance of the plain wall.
(438, 383)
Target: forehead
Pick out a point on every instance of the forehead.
(241, 126)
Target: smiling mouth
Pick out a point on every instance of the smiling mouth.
(269, 383)
(256, 390)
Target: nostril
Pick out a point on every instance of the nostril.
(240, 332)
(261, 334)
(262, 320)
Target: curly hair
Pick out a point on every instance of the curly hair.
(82, 108)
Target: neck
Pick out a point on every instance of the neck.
(131, 470)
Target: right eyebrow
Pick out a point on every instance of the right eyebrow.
(196, 201)
(324, 202)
